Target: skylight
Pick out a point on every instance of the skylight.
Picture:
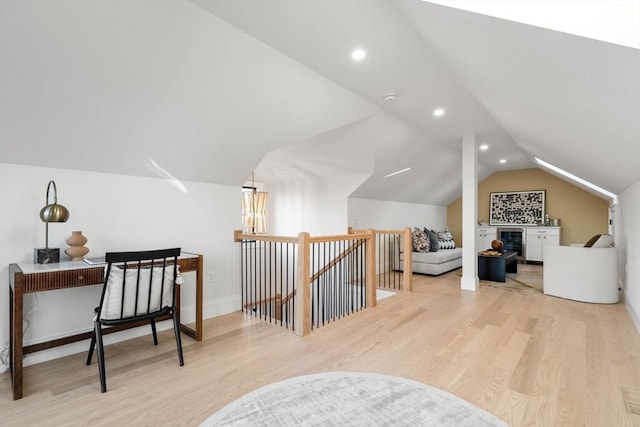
(397, 172)
(612, 21)
(577, 179)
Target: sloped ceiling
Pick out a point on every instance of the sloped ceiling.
(321, 36)
(109, 86)
(211, 90)
(569, 100)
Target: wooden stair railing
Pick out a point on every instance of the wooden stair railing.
(277, 306)
(407, 248)
(352, 247)
(302, 293)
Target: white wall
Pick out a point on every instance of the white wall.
(318, 206)
(628, 244)
(366, 213)
(115, 212)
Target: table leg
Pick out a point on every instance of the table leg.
(196, 333)
(501, 273)
(199, 292)
(15, 331)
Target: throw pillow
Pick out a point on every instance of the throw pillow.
(604, 241)
(420, 240)
(591, 241)
(447, 244)
(445, 239)
(435, 243)
(112, 305)
(427, 240)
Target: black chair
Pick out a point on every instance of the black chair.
(138, 287)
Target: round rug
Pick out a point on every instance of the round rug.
(350, 399)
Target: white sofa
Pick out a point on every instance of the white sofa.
(434, 263)
(588, 274)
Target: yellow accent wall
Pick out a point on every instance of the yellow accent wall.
(582, 214)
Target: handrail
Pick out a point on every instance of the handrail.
(238, 236)
(262, 301)
(340, 237)
(352, 230)
(288, 297)
(352, 247)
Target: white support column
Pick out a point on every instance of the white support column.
(469, 280)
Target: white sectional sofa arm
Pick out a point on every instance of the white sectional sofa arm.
(581, 274)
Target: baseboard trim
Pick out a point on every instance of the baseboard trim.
(634, 316)
(210, 309)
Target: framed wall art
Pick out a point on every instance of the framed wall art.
(517, 208)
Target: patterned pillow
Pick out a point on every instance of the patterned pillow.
(447, 244)
(445, 239)
(445, 234)
(420, 240)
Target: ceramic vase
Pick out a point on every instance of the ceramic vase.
(76, 250)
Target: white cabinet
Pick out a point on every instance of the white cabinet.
(484, 237)
(538, 238)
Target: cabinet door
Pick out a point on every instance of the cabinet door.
(484, 237)
(534, 246)
(537, 239)
(550, 239)
(480, 241)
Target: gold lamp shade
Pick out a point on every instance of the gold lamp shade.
(52, 212)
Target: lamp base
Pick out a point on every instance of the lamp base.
(46, 256)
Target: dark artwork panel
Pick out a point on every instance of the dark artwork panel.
(517, 208)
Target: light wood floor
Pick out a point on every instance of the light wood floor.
(530, 360)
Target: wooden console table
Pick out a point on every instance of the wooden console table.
(47, 277)
(495, 268)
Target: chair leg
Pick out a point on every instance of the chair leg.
(101, 367)
(153, 329)
(176, 330)
(91, 348)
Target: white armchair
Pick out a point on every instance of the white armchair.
(588, 274)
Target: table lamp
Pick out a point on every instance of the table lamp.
(52, 212)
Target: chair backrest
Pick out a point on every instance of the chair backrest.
(138, 285)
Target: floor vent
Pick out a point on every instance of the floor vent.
(631, 401)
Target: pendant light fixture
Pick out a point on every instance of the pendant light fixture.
(254, 210)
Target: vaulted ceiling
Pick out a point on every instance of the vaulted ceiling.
(211, 90)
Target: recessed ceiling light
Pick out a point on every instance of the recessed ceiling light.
(484, 147)
(438, 112)
(390, 97)
(359, 54)
(397, 172)
(503, 160)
